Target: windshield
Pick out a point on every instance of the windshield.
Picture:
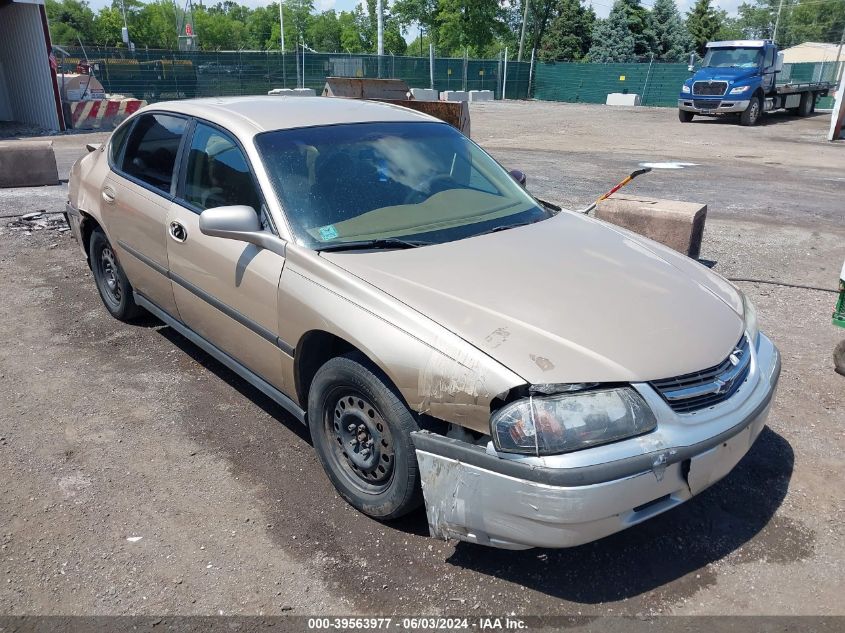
(417, 181)
(732, 57)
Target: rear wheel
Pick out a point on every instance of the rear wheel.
(839, 358)
(361, 431)
(115, 289)
(805, 108)
(753, 112)
(684, 116)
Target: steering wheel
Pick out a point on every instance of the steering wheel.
(427, 185)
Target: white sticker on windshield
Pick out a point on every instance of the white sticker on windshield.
(327, 232)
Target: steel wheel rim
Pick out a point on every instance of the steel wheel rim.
(755, 110)
(109, 277)
(362, 446)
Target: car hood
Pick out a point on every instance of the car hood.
(568, 299)
(725, 74)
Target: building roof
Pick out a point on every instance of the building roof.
(252, 115)
(811, 52)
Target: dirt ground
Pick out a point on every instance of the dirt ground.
(139, 476)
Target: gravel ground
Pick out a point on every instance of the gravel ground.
(113, 432)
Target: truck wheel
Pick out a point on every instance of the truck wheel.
(361, 431)
(839, 358)
(752, 113)
(684, 116)
(805, 108)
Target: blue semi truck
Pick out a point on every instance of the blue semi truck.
(739, 77)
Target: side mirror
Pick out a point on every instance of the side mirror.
(691, 66)
(779, 63)
(518, 176)
(240, 223)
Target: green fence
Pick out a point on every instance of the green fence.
(154, 75)
(657, 84)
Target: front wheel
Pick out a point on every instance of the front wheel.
(361, 431)
(684, 116)
(839, 358)
(751, 115)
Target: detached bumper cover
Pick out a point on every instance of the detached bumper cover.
(715, 106)
(473, 494)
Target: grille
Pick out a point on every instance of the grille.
(706, 104)
(710, 88)
(701, 389)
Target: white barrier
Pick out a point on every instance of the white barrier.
(424, 94)
(622, 99)
(293, 92)
(454, 95)
(480, 95)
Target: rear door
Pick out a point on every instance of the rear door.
(225, 290)
(136, 197)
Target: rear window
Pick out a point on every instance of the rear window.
(152, 148)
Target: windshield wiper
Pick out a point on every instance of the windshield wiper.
(384, 243)
(505, 227)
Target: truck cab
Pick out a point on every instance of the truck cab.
(734, 77)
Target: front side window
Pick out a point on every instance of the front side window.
(217, 172)
(152, 148)
(377, 181)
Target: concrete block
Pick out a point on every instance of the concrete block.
(293, 92)
(678, 225)
(454, 95)
(102, 114)
(424, 94)
(622, 99)
(27, 164)
(480, 95)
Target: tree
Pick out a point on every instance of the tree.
(324, 32)
(425, 13)
(672, 41)
(568, 36)
(639, 24)
(468, 24)
(815, 22)
(612, 38)
(703, 23)
(71, 20)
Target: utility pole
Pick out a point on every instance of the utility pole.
(839, 53)
(282, 26)
(777, 23)
(522, 31)
(380, 32)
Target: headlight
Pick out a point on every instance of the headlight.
(749, 314)
(546, 425)
(739, 90)
(685, 88)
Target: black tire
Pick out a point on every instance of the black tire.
(115, 289)
(684, 116)
(805, 108)
(839, 358)
(361, 431)
(753, 113)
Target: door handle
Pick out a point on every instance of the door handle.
(178, 232)
(109, 194)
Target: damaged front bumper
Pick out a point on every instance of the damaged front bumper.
(74, 221)
(474, 494)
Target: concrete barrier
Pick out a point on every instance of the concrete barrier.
(480, 95)
(454, 95)
(622, 99)
(293, 92)
(678, 225)
(102, 114)
(27, 164)
(424, 94)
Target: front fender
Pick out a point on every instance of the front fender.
(436, 371)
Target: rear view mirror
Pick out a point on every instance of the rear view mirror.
(691, 66)
(241, 223)
(518, 176)
(779, 63)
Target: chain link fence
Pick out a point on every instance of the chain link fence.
(155, 75)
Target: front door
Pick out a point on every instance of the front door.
(136, 198)
(225, 290)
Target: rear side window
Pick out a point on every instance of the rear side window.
(217, 174)
(152, 148)
(116, 142)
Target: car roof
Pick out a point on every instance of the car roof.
(247, 116)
